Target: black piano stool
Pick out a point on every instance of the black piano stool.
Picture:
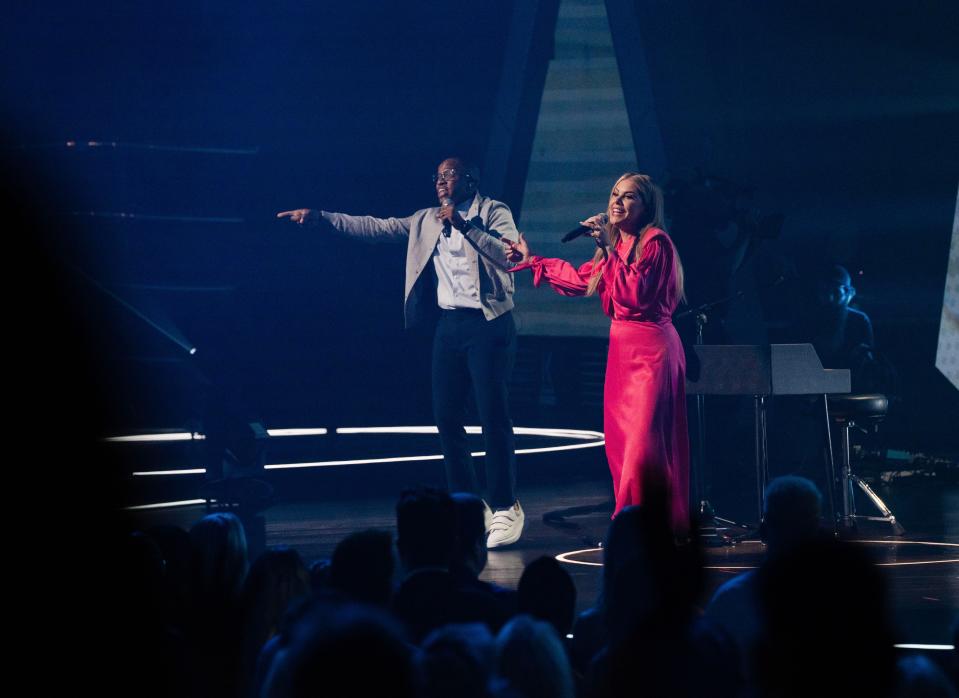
(849, 412)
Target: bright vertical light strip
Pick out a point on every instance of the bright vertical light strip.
(947, 349)
(582, 139)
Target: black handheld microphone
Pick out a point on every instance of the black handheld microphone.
(583, 230)
(446, 201)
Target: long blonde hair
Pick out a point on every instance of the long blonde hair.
(653, 218)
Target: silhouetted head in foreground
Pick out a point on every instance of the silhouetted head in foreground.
(826, 628)
(792, 512)
(362, 567)
(546, 592)
(469, 555)
(349, 651)
(220, 557)
(646, 573)
(457, 660)
(531, 657)
(425, 528)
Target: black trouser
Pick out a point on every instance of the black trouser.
(469, 349)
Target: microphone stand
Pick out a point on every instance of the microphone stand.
(709, 520)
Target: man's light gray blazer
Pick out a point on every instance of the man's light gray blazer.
(489, 222)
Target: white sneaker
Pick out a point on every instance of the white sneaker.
(507, 526)
(487, 517)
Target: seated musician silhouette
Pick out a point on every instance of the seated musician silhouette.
(842, 335)
(843, 338)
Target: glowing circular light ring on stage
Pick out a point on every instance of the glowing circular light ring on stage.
(591, 439)
(181, 471)
(521, 431)
(568, 557)
(166, 505)
(908, 542)
(160, 437)
(298, 432)
(406, 459)
(163, 436)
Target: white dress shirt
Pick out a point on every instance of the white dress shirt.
(457, 274)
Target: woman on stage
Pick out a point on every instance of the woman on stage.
(639, 278)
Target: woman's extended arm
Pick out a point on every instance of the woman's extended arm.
(565, 279)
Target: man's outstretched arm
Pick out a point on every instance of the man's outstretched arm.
(355, 226)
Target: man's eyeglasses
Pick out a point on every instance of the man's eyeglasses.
(444, 176)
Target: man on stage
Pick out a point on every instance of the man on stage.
(455, 258)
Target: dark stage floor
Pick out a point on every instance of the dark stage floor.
(922, 567)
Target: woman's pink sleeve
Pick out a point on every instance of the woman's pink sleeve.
(647, 280)
(565, 279)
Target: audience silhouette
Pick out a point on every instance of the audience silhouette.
(811, 621)
(792, 513)
(430, 595)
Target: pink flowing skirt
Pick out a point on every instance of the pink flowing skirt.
(644, 415)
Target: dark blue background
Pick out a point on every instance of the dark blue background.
(842, 116)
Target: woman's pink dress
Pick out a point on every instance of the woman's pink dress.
(644, 404)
